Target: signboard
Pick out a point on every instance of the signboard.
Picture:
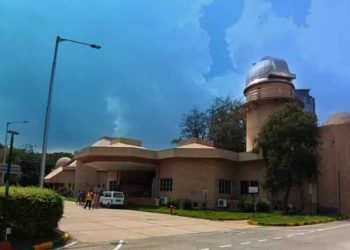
(15, 169)
(253, 190)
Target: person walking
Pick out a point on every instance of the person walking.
(96, 200)
(82, 198)
(88, 199)
(78, 198)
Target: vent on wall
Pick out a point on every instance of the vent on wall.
(164, 200)
(222, 203)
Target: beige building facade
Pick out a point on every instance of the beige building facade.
(195, 172)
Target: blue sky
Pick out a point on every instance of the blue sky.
(159, 59)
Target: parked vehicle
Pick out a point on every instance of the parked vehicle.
(112, 199)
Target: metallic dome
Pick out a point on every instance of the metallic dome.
(63, 161)
(268, 68)
(338, 118)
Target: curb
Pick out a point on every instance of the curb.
(51, 244)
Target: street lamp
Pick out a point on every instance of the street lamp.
(8, 173)
(48, 108)
(7, 181)
(5, 143)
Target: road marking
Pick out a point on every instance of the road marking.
(312, 231)
(70, 244)
(300, 234)
(245, 243)
(204, 249)
(277, 238)
(263, 240)
(226, 246)
(120, 244)
(291, 235)
(328, 228)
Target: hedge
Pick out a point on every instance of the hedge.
(263, 206)
(32, 212)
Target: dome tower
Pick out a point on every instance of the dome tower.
(268, 86)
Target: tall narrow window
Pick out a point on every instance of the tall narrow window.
(224, 186)
(166, 184)
(246, 184)
(244, 187)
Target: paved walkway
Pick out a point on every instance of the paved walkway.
(100, 225)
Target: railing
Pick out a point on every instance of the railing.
(273, 92)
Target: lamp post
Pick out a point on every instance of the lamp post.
(48, 108)
(8, 173)
(7, 182)
(5, 145)
(5, 142)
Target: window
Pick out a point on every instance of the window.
(118, 195)
(246, 184)
(166, 184)
(224, 186)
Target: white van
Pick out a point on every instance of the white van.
(112, 198)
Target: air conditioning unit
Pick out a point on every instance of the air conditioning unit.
(164, 200)
(222, 203)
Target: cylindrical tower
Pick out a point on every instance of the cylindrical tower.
(268, 86)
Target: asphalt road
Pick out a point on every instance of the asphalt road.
(332, 236)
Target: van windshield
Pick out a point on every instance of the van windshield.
(118, 195)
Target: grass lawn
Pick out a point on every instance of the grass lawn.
(267, 219)
(278, 219)
(208, 214)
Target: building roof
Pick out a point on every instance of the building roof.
(52, 174)
(117, 142)
(195, 143)
(63, 161)
(192, 148)
(268, 68)
(338, 118)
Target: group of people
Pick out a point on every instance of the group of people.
(88, 199)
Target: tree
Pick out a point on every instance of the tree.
(289, 142)
(29, 160)
(226, 125)
(193, 125)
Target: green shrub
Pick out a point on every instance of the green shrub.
(173, 202)
(263, 206)
(66, 192)
(187, 204)
(32, 212)
(246, 205)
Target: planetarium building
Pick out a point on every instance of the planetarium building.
(195, 171)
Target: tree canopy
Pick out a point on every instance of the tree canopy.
(226, 126)
(221, 123)
(289, 142)
(29, 160)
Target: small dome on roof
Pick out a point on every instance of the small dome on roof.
(338, 118)
(63, 161)
(268, 68)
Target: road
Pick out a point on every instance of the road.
(332, 236)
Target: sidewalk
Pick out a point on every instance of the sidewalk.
(98, 225)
